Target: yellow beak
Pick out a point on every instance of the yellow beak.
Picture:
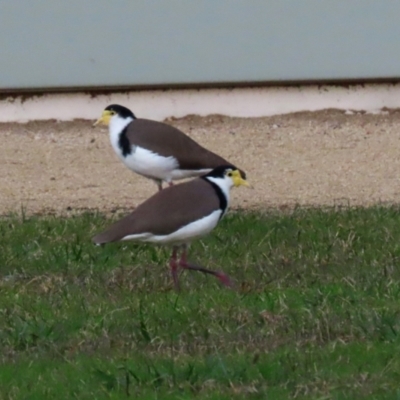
(104, 119)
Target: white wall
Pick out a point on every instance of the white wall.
(239, 102)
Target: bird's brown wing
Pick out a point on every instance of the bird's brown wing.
(168, 141)
(166, 211)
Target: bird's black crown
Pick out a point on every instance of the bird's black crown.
(121, 111)
(220, 172)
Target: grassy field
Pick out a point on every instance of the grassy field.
(315, 313)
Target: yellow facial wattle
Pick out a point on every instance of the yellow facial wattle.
(238, 180)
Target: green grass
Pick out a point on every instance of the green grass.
(315, 313)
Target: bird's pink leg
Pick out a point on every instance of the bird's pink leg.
(224, 279)
(170, 183)
(174, 267)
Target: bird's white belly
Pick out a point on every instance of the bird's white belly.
(150, 164)
(177, 174)
(185, 234)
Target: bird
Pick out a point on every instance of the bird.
(156, 150)
(179, 214)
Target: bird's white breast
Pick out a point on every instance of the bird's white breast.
(150, 164)
(117, 125)
(140, 160)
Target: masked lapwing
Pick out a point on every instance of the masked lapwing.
(156, 150)
(179, 214)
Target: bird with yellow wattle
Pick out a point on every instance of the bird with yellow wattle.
(156, 150)
(178, 215)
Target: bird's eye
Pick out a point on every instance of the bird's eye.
(229, 174)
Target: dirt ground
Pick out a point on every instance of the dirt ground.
(320, 158)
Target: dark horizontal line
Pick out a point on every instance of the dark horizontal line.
(100, 90)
